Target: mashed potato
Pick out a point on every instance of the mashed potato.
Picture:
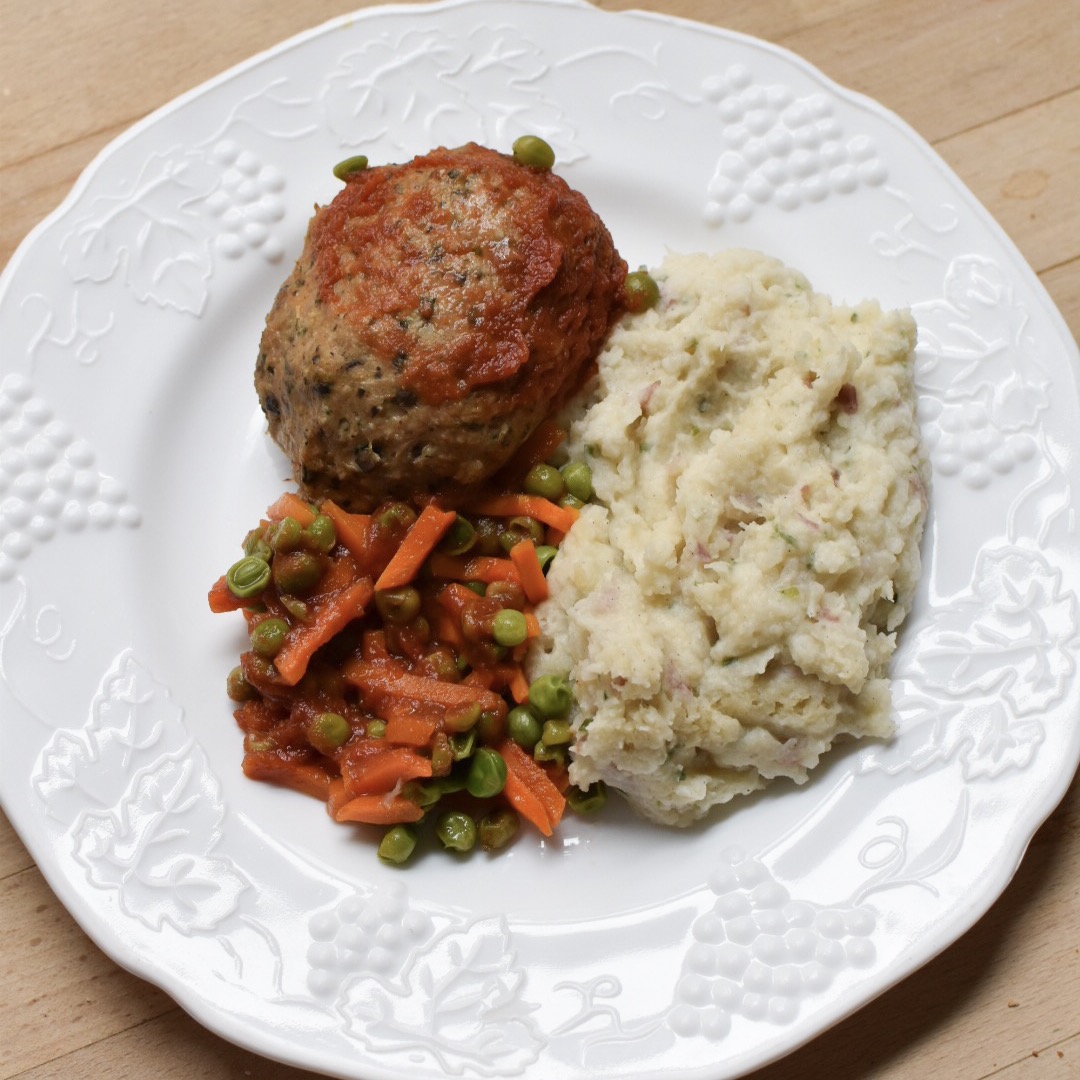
(728, 606)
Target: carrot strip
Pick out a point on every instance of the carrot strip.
(518, 685)
(221, 598)
(379, 810)
(534, 506)
(530, 572)
(529, 786)
(532, 624)
(376, 679)
(353, 530)
(331, 616)
(424, 533)
(378, 773)
(410, 730)
(290, 505)
(308, 779)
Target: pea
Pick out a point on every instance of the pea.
(571, 502)
(442, 755)
(534, 152)
(491, 726)
(320, 535)
(593, 798)
(640, 292)
(237, 686)
(248, 577)
(456, 830)
(441, 664)
(268, 637)
(477, 587)
(545, 553)
(350, 166)
(328, 732)
(462, 745)
(550, 697)
(497, 829)
(397, 516)
(544, 753)
(509, 627)
(557, 732)
(462, 718)
(544, 480)
(507, 594)
(398, 606)
(255, 544)
(487, 774)
(375, 729)
(578, 479)
(523, 727)
(459, 537)
(397, 844)
(285, 535)
(297, 572)
(518, 529)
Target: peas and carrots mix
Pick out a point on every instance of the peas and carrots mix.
(384, 672)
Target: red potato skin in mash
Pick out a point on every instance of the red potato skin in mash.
(440, 310)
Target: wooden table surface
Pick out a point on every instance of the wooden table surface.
(994, 85)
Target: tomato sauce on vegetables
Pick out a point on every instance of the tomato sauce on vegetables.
(384, 672)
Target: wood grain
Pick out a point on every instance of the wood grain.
(995, 86)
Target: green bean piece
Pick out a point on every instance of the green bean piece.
(545, 553)
(350, 166)
(534, 152)
(398, 606)
(268, 637)
(248, 577)
(459, 537)
(462, 745)
(640, 292)
(285, 535)
(297, 572)
(320, 535)
(397, 845)
(328, 732)
(375, 729)
(557, 732)
(550, 697)
(237, 686)
(544, 480)
(509, 627)
(578, 479)
(497, 828)
(524, 727)
(487, 773)
(593, 798)
(456, 830)
(460, 718)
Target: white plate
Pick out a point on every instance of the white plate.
(133, 457)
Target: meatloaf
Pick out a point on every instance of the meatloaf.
(439, 311)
